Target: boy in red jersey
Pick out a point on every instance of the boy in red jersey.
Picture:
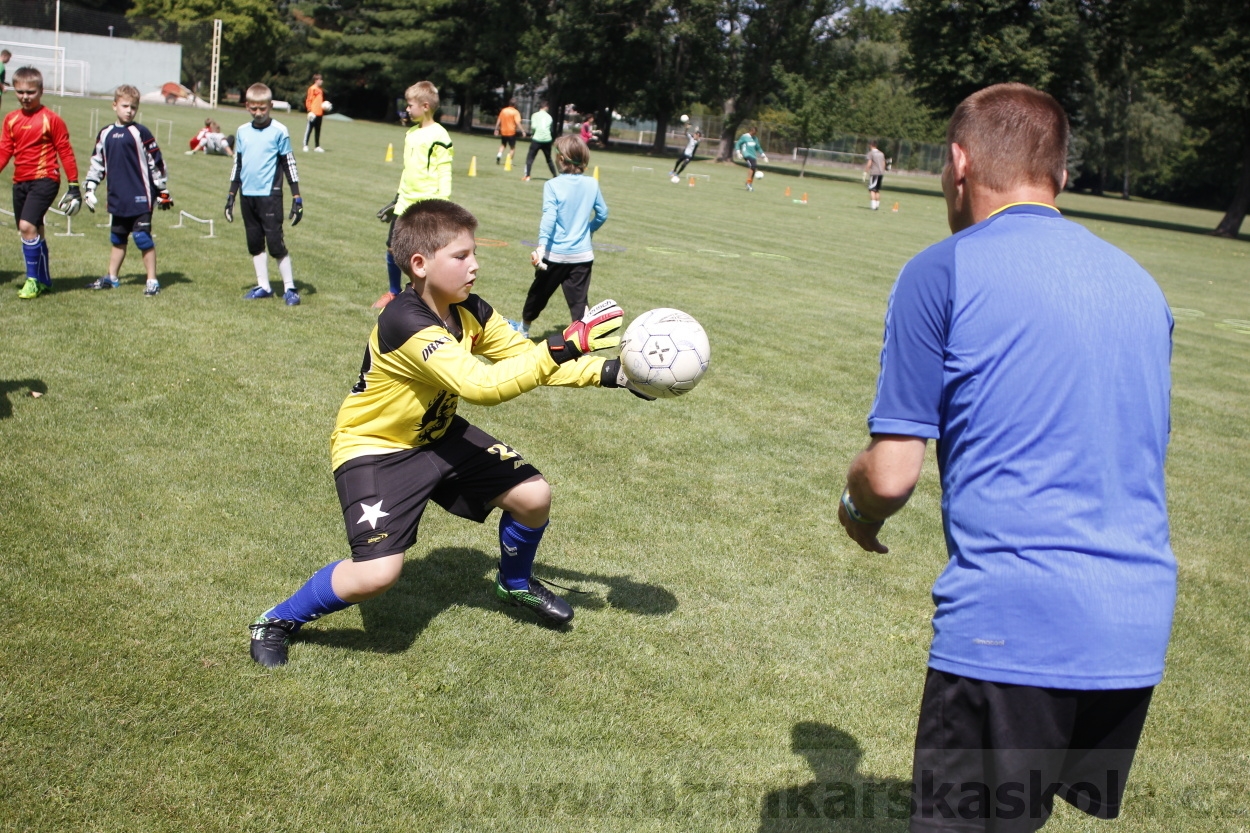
(34, 137)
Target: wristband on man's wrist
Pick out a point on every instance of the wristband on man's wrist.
(853, 511)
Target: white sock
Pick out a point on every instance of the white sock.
(875, 204)
(284, 269)
(261, 263)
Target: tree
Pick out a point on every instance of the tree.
(1204, 70)
(957, 48)
(252, 31)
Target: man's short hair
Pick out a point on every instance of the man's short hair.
(422, 92)
(512, 102)
(29, 75)
(572, 155)
(126, 91)
(259, 94)
(5, 54)
(427, 226)
(1014, 135)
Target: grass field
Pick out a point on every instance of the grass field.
(736, 649)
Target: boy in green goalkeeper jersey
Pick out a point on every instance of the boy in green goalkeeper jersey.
(427, 172)
(748, 147)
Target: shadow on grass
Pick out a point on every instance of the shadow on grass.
(7, 277)
(454, 577)
(839, 798)
(12, 386)
(1162, 225)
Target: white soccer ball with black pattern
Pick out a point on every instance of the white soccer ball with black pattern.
(326, 107)
(665, 352)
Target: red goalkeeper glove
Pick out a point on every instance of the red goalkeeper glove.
(598, 329)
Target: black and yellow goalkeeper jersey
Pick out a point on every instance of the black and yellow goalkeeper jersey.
(415, 372)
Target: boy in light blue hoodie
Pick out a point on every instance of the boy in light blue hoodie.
(573, 209)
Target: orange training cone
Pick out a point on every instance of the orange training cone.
(787, 190)
(895, 208)
(390, 152)
(805, 198)
(692, 180)
(473, 166)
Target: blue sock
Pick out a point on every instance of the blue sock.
(394, 274)
(518, 545)
(36, 254)
(312, 601)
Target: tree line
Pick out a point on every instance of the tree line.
(1158, 91)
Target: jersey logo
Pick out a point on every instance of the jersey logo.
(434, 345)
(437, 417)
(372, 514)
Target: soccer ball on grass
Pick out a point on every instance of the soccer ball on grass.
(674, 179)
(665, 352)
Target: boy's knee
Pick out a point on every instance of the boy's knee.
(529, 502)
(143, 240)
(119, 240)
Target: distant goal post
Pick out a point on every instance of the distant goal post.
(821, 158)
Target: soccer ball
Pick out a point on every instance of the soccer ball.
(685, 119)
(326, 106)
(759, 174)
(674, 179)
(665, 352)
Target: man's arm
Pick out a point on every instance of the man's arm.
(878, 484)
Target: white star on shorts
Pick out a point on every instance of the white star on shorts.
(372, 513)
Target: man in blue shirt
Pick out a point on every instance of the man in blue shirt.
(1037, 356)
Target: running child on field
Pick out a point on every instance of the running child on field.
(573, 209)
(262, 157)
(127, 154)
(35, 137)
(749, 147)
(426, 175)
(399, 443)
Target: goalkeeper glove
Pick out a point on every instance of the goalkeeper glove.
(536, 260)
(230, 207)
(90, 199)
(613, 376)
(297, 211)
(72, 201)
(387, 213)
(164, 202)
(598, 329)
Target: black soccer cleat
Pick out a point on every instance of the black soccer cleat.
(537, 598)
(270, 638)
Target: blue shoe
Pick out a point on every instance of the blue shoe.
(291, 297)
(104, 283)
(151, 288)
(258, 292)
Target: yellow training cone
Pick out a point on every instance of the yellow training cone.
(473, 166)
(390, 152)
(596, 173)
(507, 162)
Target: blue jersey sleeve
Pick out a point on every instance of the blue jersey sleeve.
(910, 386)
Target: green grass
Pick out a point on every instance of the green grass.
(173, 481)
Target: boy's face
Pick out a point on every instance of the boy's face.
(449, 275)
(260, 112)
(125, 108)
(28, 95)
(416, 109)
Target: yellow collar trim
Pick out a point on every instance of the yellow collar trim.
(1014, 204)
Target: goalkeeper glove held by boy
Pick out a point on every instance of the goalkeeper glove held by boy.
(613, 376)
(72, 201)
(297, 211)
(598, 329)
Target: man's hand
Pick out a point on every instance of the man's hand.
(598, 329)
(230, 207)
(863, 532)
(297, 211)
(387, 212)
(90, 199)
(72, 201)
(164, 202)
(613, 376)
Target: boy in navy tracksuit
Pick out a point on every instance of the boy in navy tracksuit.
(127, 154)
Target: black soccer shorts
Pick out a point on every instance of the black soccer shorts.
(33, 198)
(993, 757)
(874, 182)
(262, 223)
(384, 495)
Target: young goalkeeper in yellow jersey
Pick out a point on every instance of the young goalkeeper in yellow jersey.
(399, 443)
